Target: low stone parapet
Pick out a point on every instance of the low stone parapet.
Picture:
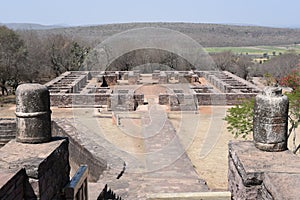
(255, 174)
(46, 164)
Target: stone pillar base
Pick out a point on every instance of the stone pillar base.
(33, 140)
(281, 146)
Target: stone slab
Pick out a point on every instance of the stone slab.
(252, 162)
(283, 185)
(15, 155)
(191, 196)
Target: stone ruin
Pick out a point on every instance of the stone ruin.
(200, 88)
(36, 164)
(264, 168)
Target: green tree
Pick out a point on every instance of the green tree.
(240, 119)
(66, 55)
(13, 57)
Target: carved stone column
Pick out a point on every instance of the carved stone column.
(270, 122)
(33, 113)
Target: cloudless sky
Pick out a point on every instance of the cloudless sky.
(278, 13)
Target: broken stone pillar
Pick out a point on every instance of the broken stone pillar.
(162, 79)
(133, 78)
(33, 113)
(270, 120)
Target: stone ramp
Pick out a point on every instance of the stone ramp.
(167, 168)
(162, 167)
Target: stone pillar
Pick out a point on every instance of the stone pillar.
(33, 113)
(270, 121)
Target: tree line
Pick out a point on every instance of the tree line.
(27, 57)
(272, 70)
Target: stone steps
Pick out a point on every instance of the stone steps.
(7, 130)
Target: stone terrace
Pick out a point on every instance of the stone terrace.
(97, 88)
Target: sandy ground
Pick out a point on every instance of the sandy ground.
(208, 150)
(212, 166)
(207, 147)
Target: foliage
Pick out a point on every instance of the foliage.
(292, 80)
(281, 65)
(240, 119)
(239, 65)
(294, 117)
(270, 80)
(66, 55)
(13, 58)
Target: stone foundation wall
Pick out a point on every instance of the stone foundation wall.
(139, 99)
(7, 130)
(133, 78)
(79, 155)
(226, 89)
(208, 98)
(70, 100)
(222, 99)
(227, 82)
(163, 99)
(97, 99)
(69, 82)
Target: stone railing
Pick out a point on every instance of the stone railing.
(78, 186)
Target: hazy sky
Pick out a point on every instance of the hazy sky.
(280, 13)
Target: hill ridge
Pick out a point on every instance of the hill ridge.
(206, 34)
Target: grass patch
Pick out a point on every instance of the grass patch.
(256, 50)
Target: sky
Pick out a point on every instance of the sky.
(275, 13)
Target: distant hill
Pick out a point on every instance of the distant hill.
(208, 35)
(30, 26)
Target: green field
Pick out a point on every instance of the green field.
(256, 50)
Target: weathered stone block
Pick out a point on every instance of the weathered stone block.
(256, 174)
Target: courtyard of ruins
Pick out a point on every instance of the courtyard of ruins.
(167, 127)
(147, 136)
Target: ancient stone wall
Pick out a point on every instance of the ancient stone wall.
(227, 82)
(76, 100)
(7, 130)
(13, 185)
(69, 82)
(79, 154)
(223, 88)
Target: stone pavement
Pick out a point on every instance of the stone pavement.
(155, 163)
(206, 167)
